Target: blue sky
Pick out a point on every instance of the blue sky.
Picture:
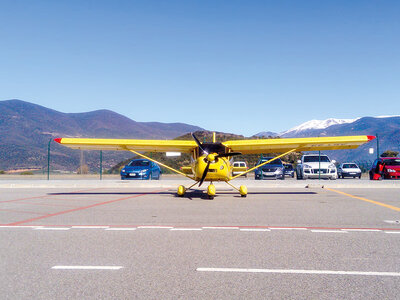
(233, 66)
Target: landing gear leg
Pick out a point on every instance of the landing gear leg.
(242, 189)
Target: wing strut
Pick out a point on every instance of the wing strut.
(264, 163)
(161, 164)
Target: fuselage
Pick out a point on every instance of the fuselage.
(220, 169)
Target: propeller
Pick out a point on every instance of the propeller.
(198, 143)
(210, 157)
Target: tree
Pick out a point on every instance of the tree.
(389, 153)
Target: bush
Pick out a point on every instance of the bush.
(27, 173)
(2, 172)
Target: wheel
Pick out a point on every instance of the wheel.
(359, 177)
(283, 177)
(181, 191)
(293, 175)
(371, 177)
(243, 191)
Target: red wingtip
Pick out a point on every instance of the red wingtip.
(58, 140)
(370, 137)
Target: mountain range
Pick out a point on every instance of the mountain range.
(387, 128)
(26, 130)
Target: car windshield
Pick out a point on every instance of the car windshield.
(315, 158)
(288, 167)
(272, 163)
(139, 163)
(392, 162)
(350, 166)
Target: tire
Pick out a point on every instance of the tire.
(283, 177)
(371, 177)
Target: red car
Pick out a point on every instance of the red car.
(386, 167)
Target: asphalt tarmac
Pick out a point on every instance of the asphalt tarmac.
(133, 242)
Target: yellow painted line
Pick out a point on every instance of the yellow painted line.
(365, 199)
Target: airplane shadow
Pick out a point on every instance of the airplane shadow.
(191, 194)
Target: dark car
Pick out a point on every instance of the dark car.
(386, 167)
(274, 169)
(141, 169)
(289, 171)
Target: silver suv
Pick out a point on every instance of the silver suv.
(316, 166)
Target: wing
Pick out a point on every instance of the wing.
(128, 144)
(300, 144)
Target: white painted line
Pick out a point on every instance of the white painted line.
(281, 271)
(363, 230)
(52, 228)
(392, 231)
(287, 228)
(120, 228)
(254, 229)
(155, 227)
(87, 267)
(90, 227)
(220, 227)
(186, 229)
(11, 226)
(330, 231)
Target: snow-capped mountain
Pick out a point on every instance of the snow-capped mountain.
(316, 124)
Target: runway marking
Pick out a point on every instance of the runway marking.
(330, 231)
(186, 229)
(78, 209)
(365, 199)
(363, 230)
(23, 226)
(254, 229)
(155, 227)
(87, 267)
(121, 228)
(90, 227)
(221, 227)
(52, 228)
(288, 228)
(392, 231)
(292, 271)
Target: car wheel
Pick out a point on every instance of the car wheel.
(371, 177)
(359, 176)
(283, 177)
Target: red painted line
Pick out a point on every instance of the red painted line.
(79, 208)
(189, 226)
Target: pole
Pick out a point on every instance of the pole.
(101, 165)
(261, 170)
(319, 165)
(377, 146)
(48, 160)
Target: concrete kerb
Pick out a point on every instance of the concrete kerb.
(129, 184)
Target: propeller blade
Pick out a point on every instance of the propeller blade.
(204, 174)
(228, 154)
(198, 143)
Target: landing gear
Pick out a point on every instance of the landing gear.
(181, 191)
(211, 191)
(243, 191)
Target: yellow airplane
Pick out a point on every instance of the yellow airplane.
(211, 161)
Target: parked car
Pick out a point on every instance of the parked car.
(141, 169)
(349, 170)
(386, 167)
(289, 171)
(274, 169)
(239, 167)
(316, 166)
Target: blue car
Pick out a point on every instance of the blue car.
(141, 169)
